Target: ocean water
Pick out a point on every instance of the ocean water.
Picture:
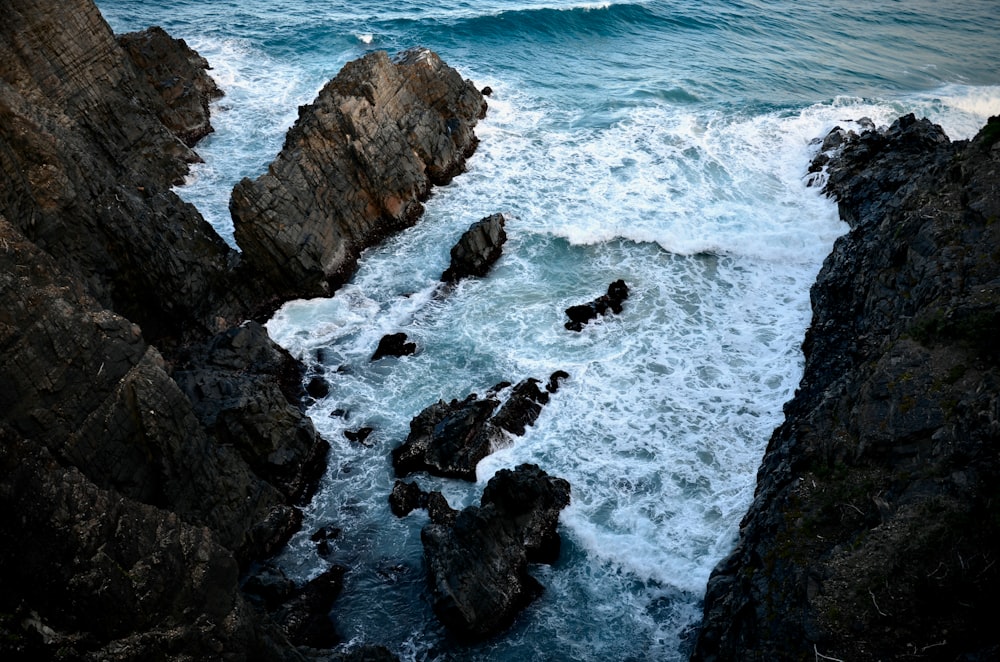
(664, 142)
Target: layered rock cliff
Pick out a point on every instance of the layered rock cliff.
(354, 168)
(873, 532)
(152, 441)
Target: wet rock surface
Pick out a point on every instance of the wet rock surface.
(153, 444)
(872, 532)
(355, 167)
(581, 314)
(477, 559)
(450, 438)
(480, 246)
(394, 344)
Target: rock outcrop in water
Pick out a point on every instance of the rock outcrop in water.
(354, 168)
(480, 246)
(612, 300)
(477, 559)
(152, 443)
(873, 531)
(450, 438)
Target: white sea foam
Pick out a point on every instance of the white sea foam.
(262, 95)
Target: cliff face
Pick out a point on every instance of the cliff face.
(873, 530)
(152, 442)
(87, 165)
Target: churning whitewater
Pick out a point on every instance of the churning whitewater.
(665, 143)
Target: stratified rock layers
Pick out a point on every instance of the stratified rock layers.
(152, 442)
(873, 532)
(355, 168)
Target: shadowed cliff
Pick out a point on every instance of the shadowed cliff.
(874, 526)
(152, 439)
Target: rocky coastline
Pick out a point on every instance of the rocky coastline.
(872, 534)
(153, 445)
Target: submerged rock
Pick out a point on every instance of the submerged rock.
(480, 246)
(579, 315)
(477, 560)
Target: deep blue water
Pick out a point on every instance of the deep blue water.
(662, 142)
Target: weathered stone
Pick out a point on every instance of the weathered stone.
(305, 616)
(448, 439)
(522, 407)
(393, 344)
(874, 525)
(405, 498)
(88, 165)
(583, 313)
(554, 379)
(480, 246)
(359, 436)
(180, 77)
(355, 168)
(478, 559)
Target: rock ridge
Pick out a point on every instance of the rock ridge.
(355, 167)
(152, 439)
(873, 528)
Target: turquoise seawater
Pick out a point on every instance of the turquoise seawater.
(663, 142)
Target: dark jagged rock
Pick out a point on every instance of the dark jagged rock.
(480, 246)
(579, 315)
(354, 169)
(323, 536)
(305, 615)
(439, 511)
(448, 439)
(87, 166)
(554, 379)
(245, 388)
(393, 344)
(359, 436)
(147, 434)
(83, 382)
(180, 77)
(873, 530)
(405, 498)
(522, 407)
(477, 560)
(317, 387)
(84, 566)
